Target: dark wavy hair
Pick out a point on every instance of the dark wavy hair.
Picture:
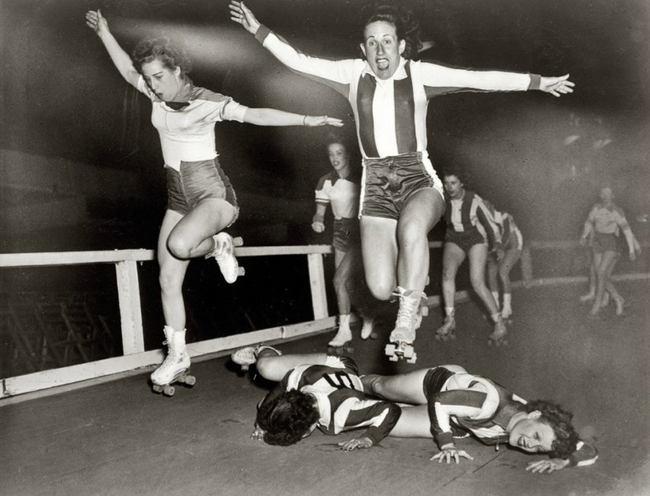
(406, 24)
(287, 418)
(559, 420)
(160, 48)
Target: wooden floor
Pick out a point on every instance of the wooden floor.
(119, 438)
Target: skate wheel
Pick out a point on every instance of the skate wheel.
(244, 368)
(241, 271)
(157, 388)
(373, 335)
(408, 352)
(190, 380)
(169, 390)
(412, 359)
(424, 311)
(238, 241)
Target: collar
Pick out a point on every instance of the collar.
(184, 96)
(400, 73)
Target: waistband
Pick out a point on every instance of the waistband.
(395, 160)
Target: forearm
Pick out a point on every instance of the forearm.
(440, 76)
(319, 216)
(120, 58)
(273, 117)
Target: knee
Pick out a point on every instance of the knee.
(381, 290)
(264, 367)
(478, 283)
(179, 247)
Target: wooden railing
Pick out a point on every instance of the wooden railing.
(128, 289)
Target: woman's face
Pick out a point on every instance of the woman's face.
(532, 435)
(453, 186)
(382, 48)
(164, 82)
(338, 156)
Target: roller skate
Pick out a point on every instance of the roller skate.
(590, 296)
(223, 252)
(175, 367)
(447, 330)
(245, 357)
(498, 336)
(409, 317)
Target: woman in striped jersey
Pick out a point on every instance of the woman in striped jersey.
(499, 270)
(470, 226)
(201, 200)
(401, 195)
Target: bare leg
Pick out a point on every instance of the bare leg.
(342, 279)
(477, 259)
(452, 257)
(414, 423)
(274, 367)
(379, 251)
(420, 214)
(603, 263)
(406, 388)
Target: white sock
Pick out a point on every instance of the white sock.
(495, 295)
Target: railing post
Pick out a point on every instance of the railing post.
(317, 283)
(128, 290)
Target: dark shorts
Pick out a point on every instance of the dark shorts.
(346, 234)
(390, 182)
(606, 242)
(197, 181)
(434, 380)
(466, 239)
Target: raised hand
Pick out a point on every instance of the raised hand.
(241, 14)
(96, 21)
(556, 86)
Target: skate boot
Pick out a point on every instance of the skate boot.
(224, 254)
(446, 330)
(409, 318)
(498, 336)
(343, 335)
(175, 367)
(245, 357)
(620, 304)
(506, 313)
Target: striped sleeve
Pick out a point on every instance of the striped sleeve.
(443, 405)
(379, 416)
(323, 191)
(487, 221)
(585, 454)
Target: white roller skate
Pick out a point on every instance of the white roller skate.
(175, 367)
(224, 254)
(498, 336)
(344, 334)
(245, 357)
(368, 326)
(409, 317)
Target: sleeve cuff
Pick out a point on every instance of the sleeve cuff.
(262, 33)
(444, 438)
(535, 79)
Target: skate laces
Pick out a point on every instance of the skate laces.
(407, 313)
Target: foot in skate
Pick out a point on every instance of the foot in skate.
(446, 331)
(224, 254)
(498, 337)
(620, 305)
(245, 357)
(341, 342)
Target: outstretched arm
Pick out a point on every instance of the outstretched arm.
(273, 117)
(318, 222)
(96, 21)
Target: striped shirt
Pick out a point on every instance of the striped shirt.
(510, 233)
(607, 220)
(341, 402)
(390, 114)
(468, 213)
(470, 403)
(187, 133)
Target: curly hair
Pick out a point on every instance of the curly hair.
(149, 49)
(406, 24)
(559, 420)
(287, 418)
